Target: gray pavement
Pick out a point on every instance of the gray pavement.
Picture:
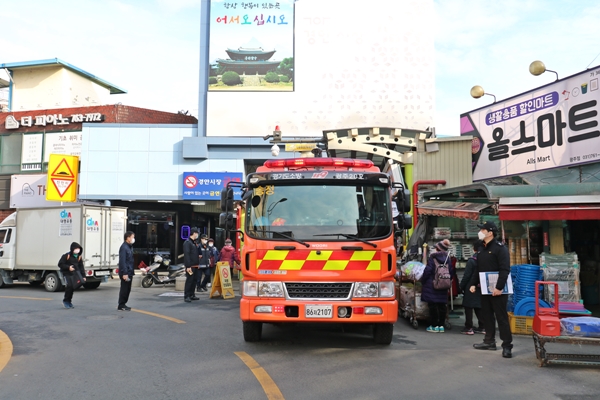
(94, 351)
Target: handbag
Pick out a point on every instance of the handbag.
(76, 280)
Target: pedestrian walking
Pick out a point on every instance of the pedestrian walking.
(436, 299)
(214, 258)
(230, 255)
(204, 265)
(471, 301)
(191, 259)
(493, 257)
(71, 266)
(126, 270)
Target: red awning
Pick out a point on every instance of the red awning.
(452, 209)
(549, 212)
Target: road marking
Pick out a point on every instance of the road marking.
(25, 298)
(268, 385)
(177, 321)
(6, 349)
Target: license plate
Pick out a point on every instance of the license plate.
(318, 311)
(102, 273)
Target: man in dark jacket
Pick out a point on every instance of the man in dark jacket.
(71, 265)
(126, 270)
(204, 266)
(191, 260)
(437, 300)
(493, 257)
(471, 301)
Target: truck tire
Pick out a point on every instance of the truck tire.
(383, 333)
(147, 281)
(52, 282)
(252, 331)
(91, 285)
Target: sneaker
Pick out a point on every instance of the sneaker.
(485, 346)
(71, 305)
(124, 308)
(440, 329)
(67, 305)
(433, 329)
(480, 331)
(467, 331)
(187, 300)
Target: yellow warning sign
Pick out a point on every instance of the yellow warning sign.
(62, 178)
(222, 286)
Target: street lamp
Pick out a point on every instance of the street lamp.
(537, 68)
(477, 92)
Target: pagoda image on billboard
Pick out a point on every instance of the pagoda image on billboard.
(249, 61)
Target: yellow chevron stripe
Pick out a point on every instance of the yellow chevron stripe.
(258, 263)
(276, 255)
(362, 256)
(294, 265)
(337, 265)
(374, 265)
(313, 256)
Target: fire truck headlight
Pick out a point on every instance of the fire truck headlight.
(270, 289)
(250, 288)
(386, 289)
(366, 289)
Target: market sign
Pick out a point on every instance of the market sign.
(50, 119)
(554, 126)
(208, 185)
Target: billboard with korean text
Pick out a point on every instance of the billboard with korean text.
(550, 127)
(251, 46)
(208, 185)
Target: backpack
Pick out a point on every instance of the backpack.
(442, 279)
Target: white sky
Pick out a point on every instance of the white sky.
(151, 47)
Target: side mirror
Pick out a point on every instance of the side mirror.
(403, 200)
(227, 199)
(404, 221)
(226, 221)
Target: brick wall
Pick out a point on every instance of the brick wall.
(5, 213)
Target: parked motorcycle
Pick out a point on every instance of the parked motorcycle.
(151, 273)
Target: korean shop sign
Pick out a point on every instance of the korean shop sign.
(50, 119)
(550, 127)
(208, 185)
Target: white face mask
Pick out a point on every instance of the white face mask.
(210, 245)
(132, 241)
(481, 235)
(76, 251)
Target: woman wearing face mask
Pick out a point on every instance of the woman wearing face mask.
(70, 265)
(214, 258)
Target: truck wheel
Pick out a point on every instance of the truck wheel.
(147, 281)
(52, 283)
(91, 285)
(383, 333)
(252, 331)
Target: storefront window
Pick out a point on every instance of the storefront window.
(10, 153)
(154, 234)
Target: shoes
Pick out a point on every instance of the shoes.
(195, 298)
(432, 329)
(124, 308)
(187, 300)
(204, 289)
(485, 346)
(67, 305)
(480, 331)
(506, 352)
(467, 331)
(440, 329)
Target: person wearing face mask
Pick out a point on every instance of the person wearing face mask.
(214, 258)
(71, 265)
(126, 270)
(493, 257)
(204, 267)
(191, 260)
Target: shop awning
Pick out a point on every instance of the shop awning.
(452, 209)
(549, 212)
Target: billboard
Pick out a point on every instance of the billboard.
(356, 65)
(251, 46)
(208, 185)
(549, 127)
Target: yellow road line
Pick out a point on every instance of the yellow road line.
(6, 349)
(177, 321)
(25, 298)
(268, 385)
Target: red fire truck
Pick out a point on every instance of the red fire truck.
(319, 244)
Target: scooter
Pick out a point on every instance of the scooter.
(151, 273)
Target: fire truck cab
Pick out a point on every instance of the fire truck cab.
(319, 245)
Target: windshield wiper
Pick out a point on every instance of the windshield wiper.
(284, 235)
(350, 237)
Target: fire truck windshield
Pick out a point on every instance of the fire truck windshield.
(319, 212)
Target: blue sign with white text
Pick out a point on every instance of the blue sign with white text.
(208, 185)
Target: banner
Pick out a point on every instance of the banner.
(208, 185)
(550, 127)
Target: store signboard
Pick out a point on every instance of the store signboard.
(553, 126)
(31, 152)
(68, 143)
(208, 185)
(29, 191)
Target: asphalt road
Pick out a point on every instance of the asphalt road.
(97, 352)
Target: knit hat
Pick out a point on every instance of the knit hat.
(443, 245)
(228, 241)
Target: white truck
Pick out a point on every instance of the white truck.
(33, 240)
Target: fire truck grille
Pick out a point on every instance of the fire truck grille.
(321, 290)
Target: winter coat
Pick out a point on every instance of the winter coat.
(204, 254)
(214, 255)
(126, 266)
(428, 293)
(191, 256)
(71, 260)
(230, 255)
(471, 300)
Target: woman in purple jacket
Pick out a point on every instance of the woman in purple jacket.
(437, 300)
